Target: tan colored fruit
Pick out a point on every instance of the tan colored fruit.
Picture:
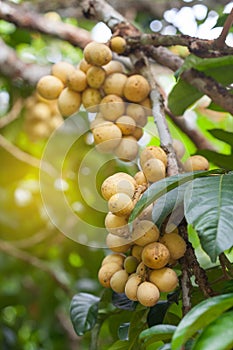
(117, 258)
(118, 281)
(148, 294)
(120, 204)
(131, 287)
(99, 121)
(165, 279)
(118, 44)
(112, 107)
(195, 163)
(126, 124)
(97, 54)
(107, 137)
(142, 269)
(127, 150)
(175, 244)
(179, 148)
(84, 65)
(77, 80)
(130, 264)
(146, 214)
(137, 112)
(155, 255)
(136, 88)
(147, 106)
(106, 272)
(61, 70)
(69, 102)
(137, 252)
(91, 99)
(117, 184)
(53, 16)
(49, 87)
(145, 232)
(138, 133)
(117, 225)
(154, 170)
(114, 84)
(95, 77)
(113, 67)
(153, 152)
(37, 131)
(40, 111)
(117, 244)
(140, 178)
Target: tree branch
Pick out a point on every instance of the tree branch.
(34, 21)
(13, 114)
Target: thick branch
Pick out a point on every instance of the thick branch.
(39, 23)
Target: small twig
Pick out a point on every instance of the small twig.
(13, 114)
(220, 41)
(226, 265)
(186, 286)
(32, 241)
(27, 158)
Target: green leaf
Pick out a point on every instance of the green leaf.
(123, 331)
(158, 332)
(222, 135)
(221, 20)
(199, 317)
(218, 335)
(83, 312)
(208, 207)
(160, 188)
(222, 160)
(120, 345)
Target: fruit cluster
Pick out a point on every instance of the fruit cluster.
(42, 117)
(100, 84)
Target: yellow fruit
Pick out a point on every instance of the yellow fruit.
(138, 133)
(154, 170)
(136, 88)
(175, 244)
(126, 124)
(140, 178)
(84, 65)
(114, 84)
(114, 258)
(118, 44)
(131, 287)
(146, 104)
(107, 137)
(40, 112)
(127, 149)
(113, 67)
(106, 272)
(77, 80)
(117, 184)
(153, 152)
(145, 232)
(91, 99)
(195, 163)
(69, 102)
(117, 244)
(61, 70)
(165, 279)
(118, 281)
(97, 54)
(120, 204)
(155, 255)
(117, 225)
(95, 77)
(137, 112)
(49, 87)
(147, 294)
(178, 148)
(137, 252)
(112, 107)
(99, 121)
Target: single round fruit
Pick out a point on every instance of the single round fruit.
(91, 99)
(178, 148)
(120, 204)
(69, 102)
(107, 137)
(145, 232)
(118, 44)
(147, 105)
(195, 163)
(117, 244)
(127, 149)
(117, 258)
(114, 84)
(142, 269)
(137, 112)
(118, 281)
(131, 286)
(99, 121)
(154, 170)
(112, 107)
(155, 255)
(147, 294)
(175, 244)
(39, 112)
(136, 251)
(165, 279)
(153, 152)
(106, 272)
(126, 124)
(118, 182)
(50, 87)
(84, 65)
(130, 264)
(77, 80)
(136, 88)
(140, 178)
(117, 225)
(113, 67)
(138, 133)
(97, 54)
(95, 77)
(61, 70)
